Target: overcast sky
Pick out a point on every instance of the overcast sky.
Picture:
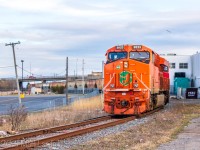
(50, 30)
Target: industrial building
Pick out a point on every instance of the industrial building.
(196, 69)
(186, 66)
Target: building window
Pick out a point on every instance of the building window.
(172, 65)
(183, 65)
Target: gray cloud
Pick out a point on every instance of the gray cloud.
(51, 30)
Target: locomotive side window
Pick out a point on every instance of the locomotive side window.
(113, 56)
(164, 68)
(140, 56)
(153, 58)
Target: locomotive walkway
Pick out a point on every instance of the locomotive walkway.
(189, 139)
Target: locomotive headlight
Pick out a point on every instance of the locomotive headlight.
(125, 64)
(124, 103)
(112, 85)
(135, 85)
(120, 47)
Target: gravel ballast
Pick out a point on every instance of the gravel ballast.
(69, 143)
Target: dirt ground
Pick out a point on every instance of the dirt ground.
(188, 139)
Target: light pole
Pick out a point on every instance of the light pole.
(22, 74)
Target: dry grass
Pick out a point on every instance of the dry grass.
(77, 111)
(163, 127)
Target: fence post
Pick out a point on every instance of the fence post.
(64, 102)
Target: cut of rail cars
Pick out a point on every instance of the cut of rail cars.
(136, 80)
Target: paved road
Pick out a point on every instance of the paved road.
(33, 103)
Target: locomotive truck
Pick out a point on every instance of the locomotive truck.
(136, 80)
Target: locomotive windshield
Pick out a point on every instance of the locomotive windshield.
(113, 56)
(140, 56)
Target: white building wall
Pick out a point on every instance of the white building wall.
(196, 69)
(179, 59)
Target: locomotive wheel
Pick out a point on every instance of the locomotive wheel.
(152, 103)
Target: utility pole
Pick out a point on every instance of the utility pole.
(67, 80)
(76, 67)
(22, 74)
(17, 80)
(74, 76)
(83, 77)
(30, 68)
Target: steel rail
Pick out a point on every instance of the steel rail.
(61, 136)
(150, 112)
(52, 129)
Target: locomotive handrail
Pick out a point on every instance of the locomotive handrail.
(142, 82)
(108, 82)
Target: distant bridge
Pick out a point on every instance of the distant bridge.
(49, 78)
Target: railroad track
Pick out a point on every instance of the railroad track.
(43, 136)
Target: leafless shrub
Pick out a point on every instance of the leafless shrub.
(2, 121)
(16, 115)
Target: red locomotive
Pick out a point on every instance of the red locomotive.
(136, 80)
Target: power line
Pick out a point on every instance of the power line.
(6, 66)
(61, 73)
(27, 71)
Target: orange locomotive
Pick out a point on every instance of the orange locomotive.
(136, 80)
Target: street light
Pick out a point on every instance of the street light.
(22, 75)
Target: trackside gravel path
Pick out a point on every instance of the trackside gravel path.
(189, 139)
